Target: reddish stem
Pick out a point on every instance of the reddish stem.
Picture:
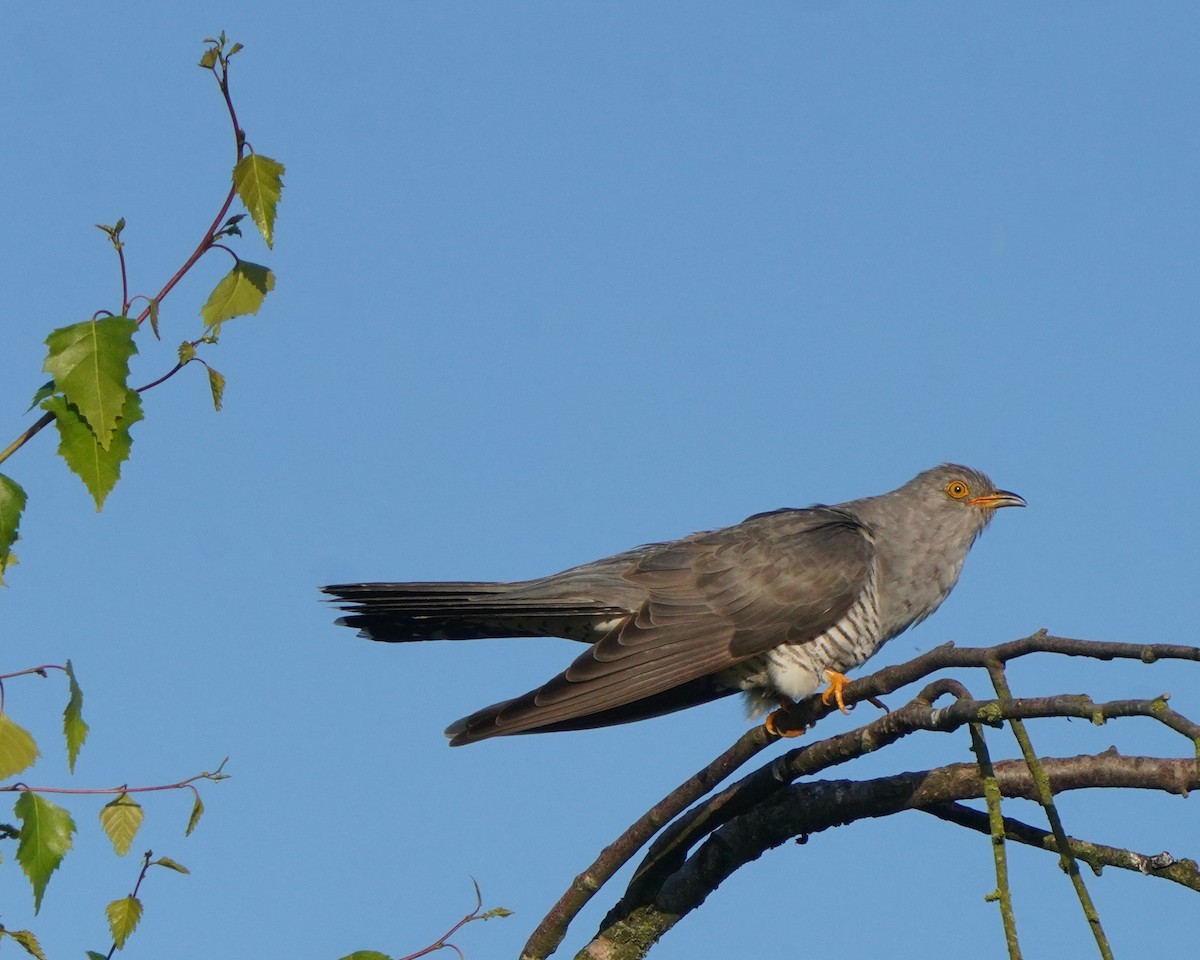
(201, 248)
(124, 280)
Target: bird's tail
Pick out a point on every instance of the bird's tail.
(403, 612)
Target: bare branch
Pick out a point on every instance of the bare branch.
(550, 932)
(1095, 855)
(891, 679)
(1045, 796)
(995, 821)
(917, 715)
(671, 851)
(806, 808)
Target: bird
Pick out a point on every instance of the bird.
(772, 607)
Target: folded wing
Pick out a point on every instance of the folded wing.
(709, 602)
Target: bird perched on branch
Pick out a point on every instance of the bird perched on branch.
(773, 606)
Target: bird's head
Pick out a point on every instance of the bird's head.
(960, 497)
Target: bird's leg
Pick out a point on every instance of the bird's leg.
(837, 683)
(775, 720)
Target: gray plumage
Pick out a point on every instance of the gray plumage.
(765, 606)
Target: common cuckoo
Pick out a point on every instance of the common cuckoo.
(771, 606)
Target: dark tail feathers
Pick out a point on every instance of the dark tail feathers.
(403, 612)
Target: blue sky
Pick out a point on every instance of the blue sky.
(555, 279)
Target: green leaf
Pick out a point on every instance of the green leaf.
(121, 820)
(45, 390)
(18, 750)
(230, 228)
(98, 468)
(241, 291)
(495, 912)
(27, 940)
(216, 383)
(9, 561)
(12, 503)
(90, 365)
(259, 182)
(366, 955)
(123, 917)
(170, 865)
(153, 307)
(46, 831)
(114, 233)
(96, 955)
(187, 352)
(208, 59)
(197, 813)
(74, 727)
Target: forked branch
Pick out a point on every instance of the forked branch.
(673, 880)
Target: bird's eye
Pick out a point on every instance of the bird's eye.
(956, 489)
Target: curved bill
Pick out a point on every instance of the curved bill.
(997, 499)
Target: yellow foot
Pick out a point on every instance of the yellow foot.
(776, 724)
(837, 683)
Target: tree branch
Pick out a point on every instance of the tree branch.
(546, 938)
(995, 821)
(802, 809)
(685, 830)
(891, 679)
(1045, 796)
(1095, 855)
(919, 714)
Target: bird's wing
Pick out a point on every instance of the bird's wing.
(712, 600)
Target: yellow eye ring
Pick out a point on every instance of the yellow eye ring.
(957, 490)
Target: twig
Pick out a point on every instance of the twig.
(1096, 855)
(39, 670)
(991, 793)
(136, 887)
(124, 278)
(443, 942)
(1045, 797)
(215, 775)
(25, 436)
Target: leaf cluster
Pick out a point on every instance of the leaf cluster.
(45, 831)
(125, 913)
(89, 397)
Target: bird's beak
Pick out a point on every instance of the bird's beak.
(996, 500)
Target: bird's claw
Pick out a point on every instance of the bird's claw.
(778, 728)
(837, 684)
